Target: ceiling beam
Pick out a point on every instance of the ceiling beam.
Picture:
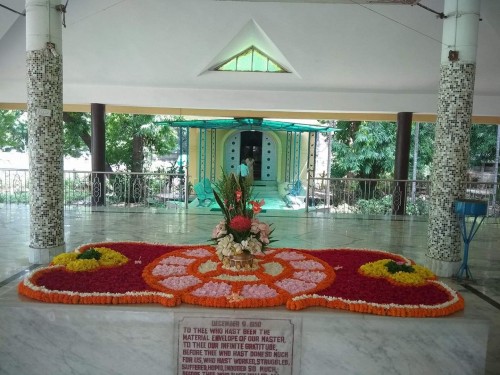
(303, 115)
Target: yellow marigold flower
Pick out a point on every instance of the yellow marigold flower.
(82, 265)
(378, 269)
(408, 278)
(109, 258)
(425, 272)
(64, 259)
(375, 269)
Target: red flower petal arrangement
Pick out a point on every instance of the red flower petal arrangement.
(347, 279)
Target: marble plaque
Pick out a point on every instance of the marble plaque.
(235, 346)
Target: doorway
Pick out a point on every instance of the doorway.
(251, 146)
(259, 145)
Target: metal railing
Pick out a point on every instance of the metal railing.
(14, 186)
(103, 189)
(126, 189)
(369, 196)
(387, 197)
(173, 191)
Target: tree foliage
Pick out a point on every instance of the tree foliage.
(425, 149)
(13, 131)
(363, 149)
(360, 148)
(77, 139)
(130, 137)
(483, 141)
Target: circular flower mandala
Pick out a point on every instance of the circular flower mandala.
(201, 279)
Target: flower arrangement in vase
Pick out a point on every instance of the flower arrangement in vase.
(240, 235)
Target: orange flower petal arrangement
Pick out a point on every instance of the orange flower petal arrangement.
(357, 280)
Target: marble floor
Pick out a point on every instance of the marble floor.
(293, 229)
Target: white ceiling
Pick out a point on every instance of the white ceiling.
(343, 57)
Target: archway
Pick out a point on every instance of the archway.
(259, 145)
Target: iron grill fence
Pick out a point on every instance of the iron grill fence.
(173, 191)
(387, 197)
(113, 189)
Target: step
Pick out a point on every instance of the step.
(265, 186)
(265, 183)
(265, 194)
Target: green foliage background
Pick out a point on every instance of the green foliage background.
(362, 149)
(483, 141)
(13, 131)
(123, 131)
(366, 149)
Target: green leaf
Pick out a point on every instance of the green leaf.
(394, 267)
(90, 254)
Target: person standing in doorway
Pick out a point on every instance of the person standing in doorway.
(249, 161)
(243, 169)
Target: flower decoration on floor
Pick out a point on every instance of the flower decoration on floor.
(193, 274)
(240, 232)
(234, 297)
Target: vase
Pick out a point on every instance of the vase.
(241, 261)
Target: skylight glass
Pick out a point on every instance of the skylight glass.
(251, 60)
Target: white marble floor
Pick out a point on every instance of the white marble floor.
(293, 229)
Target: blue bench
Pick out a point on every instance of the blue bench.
(204, 192)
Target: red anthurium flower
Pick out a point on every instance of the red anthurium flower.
(238, 195)
(257, 206)
(240, 223)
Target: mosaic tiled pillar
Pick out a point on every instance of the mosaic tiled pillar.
(451, 144)
(45, 130)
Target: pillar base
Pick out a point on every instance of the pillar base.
(45, 255)
(443, 268)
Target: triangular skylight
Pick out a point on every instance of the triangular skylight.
(251, 40)
(251, 60)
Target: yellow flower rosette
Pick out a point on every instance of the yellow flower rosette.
(108, 258)
(417, 277)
